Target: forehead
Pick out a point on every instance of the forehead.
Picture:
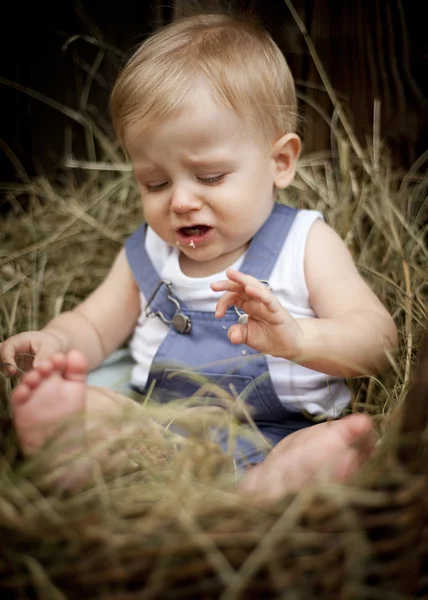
(201, 121)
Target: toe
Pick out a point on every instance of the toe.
(20, 394)
(59, 361)
(359, 437)
(356, 426)
(363, 437)
(45, 368)
(76, 367)
(32, 379)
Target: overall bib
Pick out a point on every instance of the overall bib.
(203, 348)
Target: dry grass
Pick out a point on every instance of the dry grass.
(159, 519)
(58, 249)
(165, 523)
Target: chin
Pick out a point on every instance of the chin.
(193, 254)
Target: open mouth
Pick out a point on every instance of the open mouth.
(193, 235)
(194, 231)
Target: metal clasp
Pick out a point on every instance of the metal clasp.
(180, 322)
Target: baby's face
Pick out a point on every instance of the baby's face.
(206, 185)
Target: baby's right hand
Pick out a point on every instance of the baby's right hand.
(17, 352)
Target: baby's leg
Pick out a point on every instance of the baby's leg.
(333, 451)
(56, 392)
(53, 400)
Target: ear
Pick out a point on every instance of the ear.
(285, 152)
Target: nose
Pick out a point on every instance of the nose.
(184, 200)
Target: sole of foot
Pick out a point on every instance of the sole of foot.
(47, 396)
(333, 451)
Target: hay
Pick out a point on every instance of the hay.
(165, 522)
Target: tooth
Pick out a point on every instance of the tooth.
(192, 244)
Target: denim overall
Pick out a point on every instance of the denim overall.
(206, 350)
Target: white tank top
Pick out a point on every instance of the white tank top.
(298, 388)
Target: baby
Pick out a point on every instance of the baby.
(222, 283)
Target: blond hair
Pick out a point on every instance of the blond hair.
(239, 61)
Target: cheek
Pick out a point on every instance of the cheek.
(232, 204)
(151, 214)
(263, 179)
(152, 204)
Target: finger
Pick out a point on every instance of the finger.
(7, 358)
(264, 295)
(258, 311)
(7, 369)
(238, 334)
(10, 351)
(225, 285)
(256, 303)
(24, 362)
(253, 287)
(258, 298)
(228, 299)
(243, 279)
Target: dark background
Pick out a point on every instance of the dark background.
(370, 49)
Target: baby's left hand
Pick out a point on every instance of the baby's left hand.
(270, 328)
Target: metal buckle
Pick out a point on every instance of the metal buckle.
(180, 322)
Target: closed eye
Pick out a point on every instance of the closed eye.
(205, 180)
(212, 180)
(156, 187)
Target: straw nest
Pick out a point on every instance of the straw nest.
(164, 522)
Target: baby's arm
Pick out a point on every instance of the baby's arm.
(97, 326)
(352, 331)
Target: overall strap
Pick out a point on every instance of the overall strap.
(268, 242)
(146, 276)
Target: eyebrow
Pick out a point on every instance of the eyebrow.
(145, 171)
(208, 162)
(192, 162)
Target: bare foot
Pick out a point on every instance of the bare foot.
(48, 395)
(333, 451)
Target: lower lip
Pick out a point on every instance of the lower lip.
(186, 240)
